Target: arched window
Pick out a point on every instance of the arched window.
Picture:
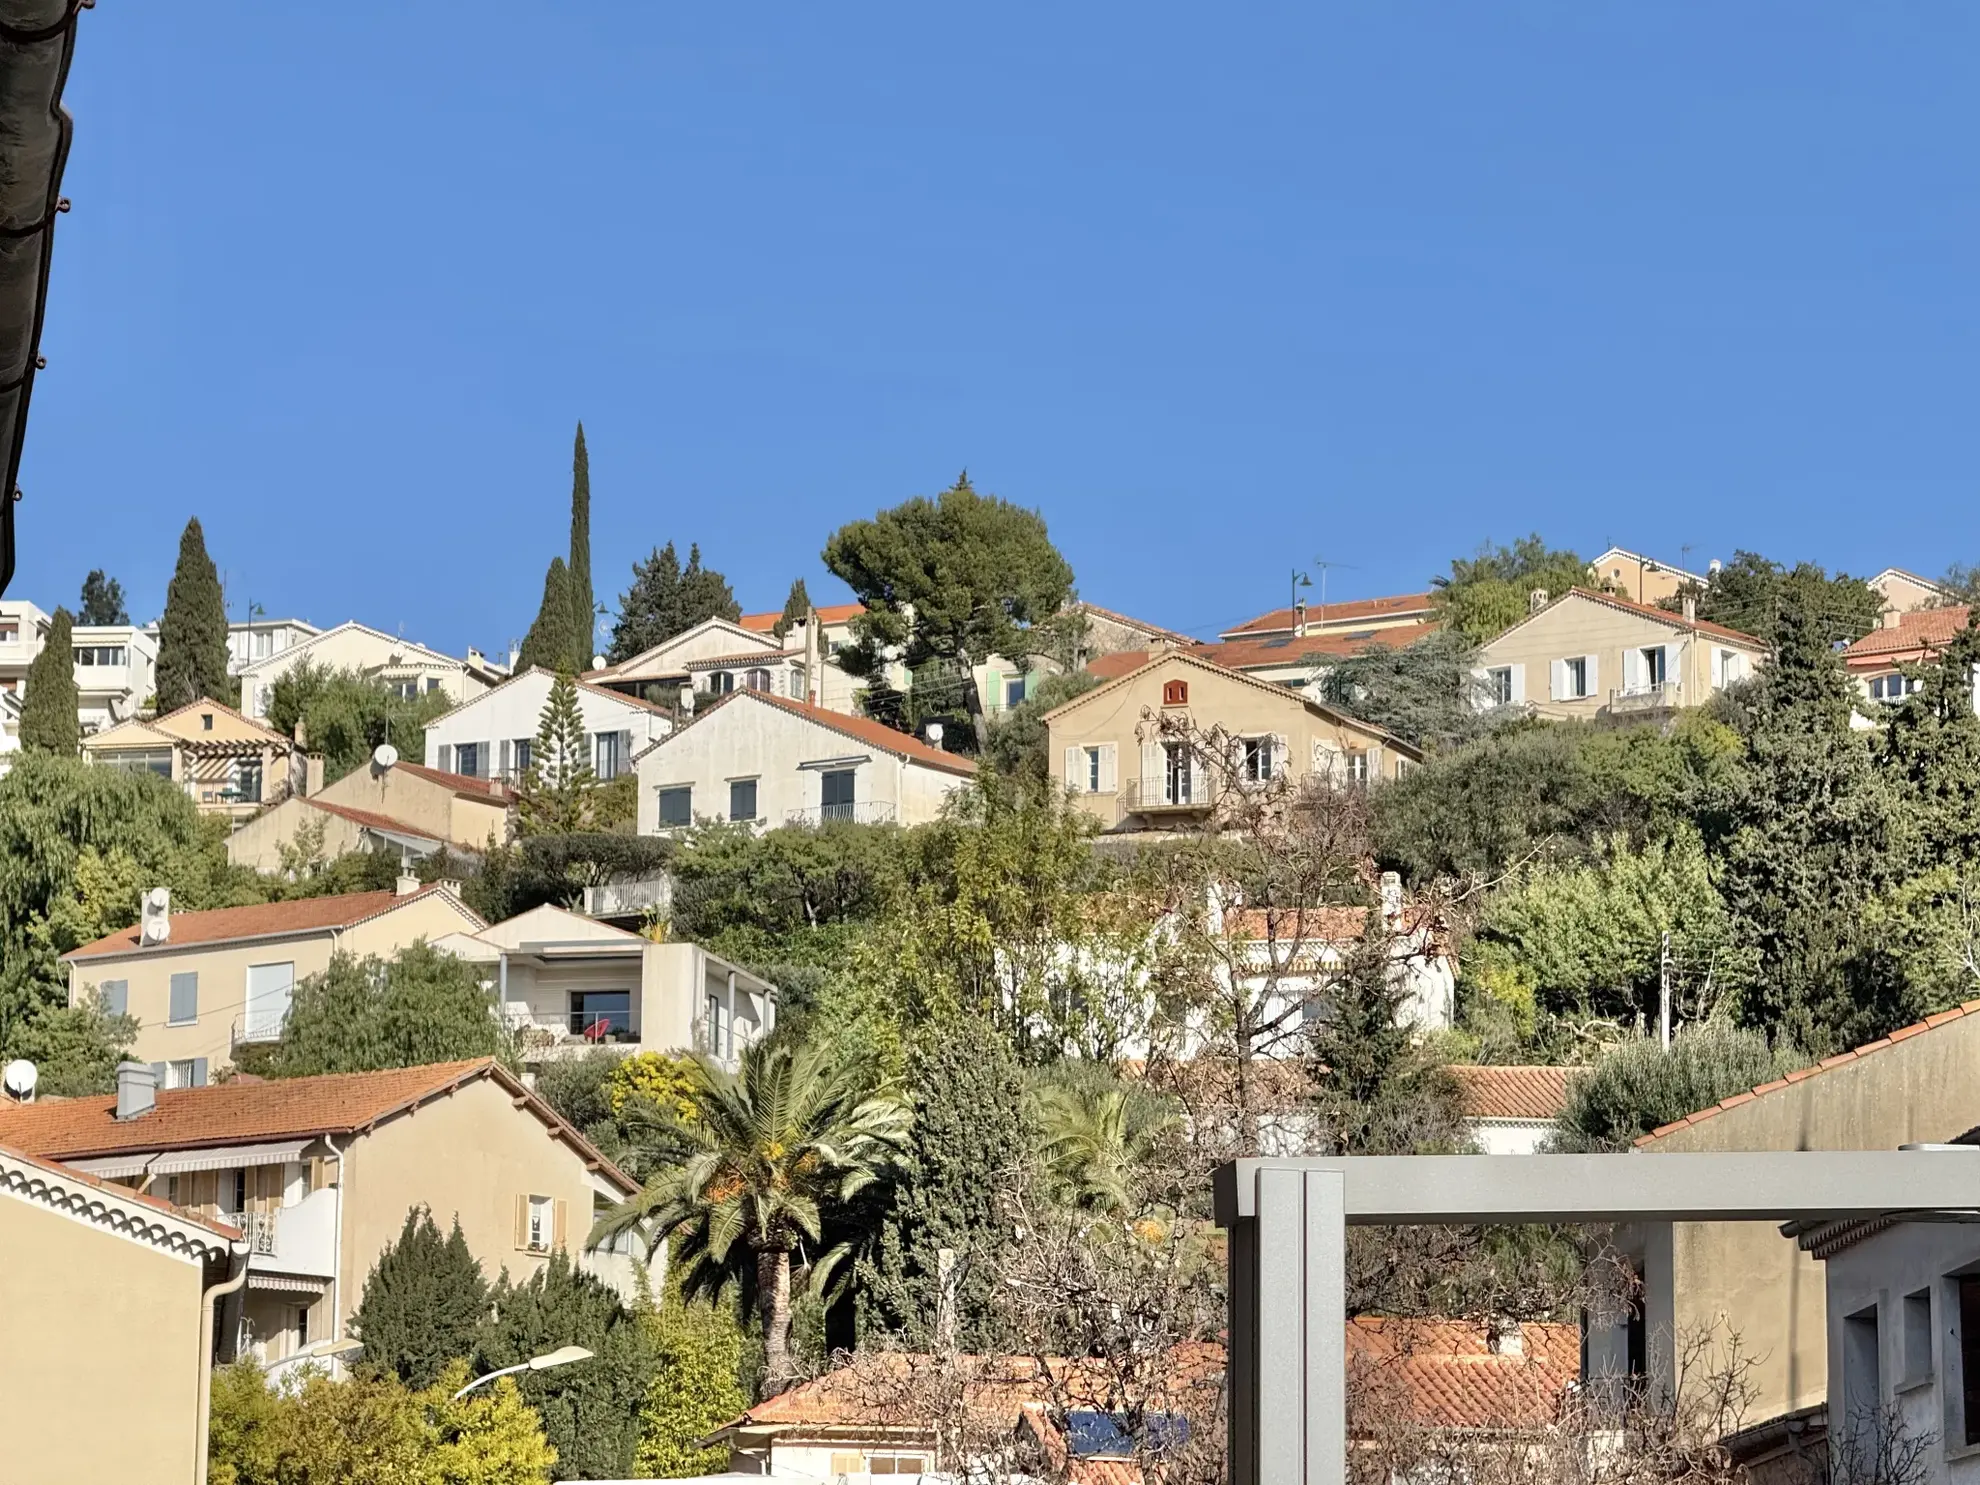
(757, 680)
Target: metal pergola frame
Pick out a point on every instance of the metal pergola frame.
(1287, 1222)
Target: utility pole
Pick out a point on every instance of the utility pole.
(1664, 989)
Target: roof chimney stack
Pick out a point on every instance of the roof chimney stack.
(137, 1089)
(407, 884)
(1690, 607)
(1890, 618)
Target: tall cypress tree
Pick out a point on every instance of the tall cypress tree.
(48, 709)
(549, 642)
(584, 603)
(192, 635)
(797, 604)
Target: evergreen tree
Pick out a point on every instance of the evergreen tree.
(192, 635)
(696, 1388)
(102, 600)
(1752, 594)
(797, 607)
(584, 604)
(1490, 592)
(666, 599)
(970, 1123)
(422, 1005)
(1929, 748)
(424, 1303)
(555, 793)
(49, 723)
(550, 642)
(1639, 1085)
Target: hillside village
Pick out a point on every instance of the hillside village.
(826, 1017)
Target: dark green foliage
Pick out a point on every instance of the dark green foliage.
(424, 1303)
(102, 600)
(345, 715)
(666, 599)
(584, 604)
(797, 605)
(556, 792)
(970, 1126)
(1751, 594)
(1019, 747)
(638, 1135)
(75, 1049)
(553, 641)
(1929, 748)
(957, 578)
(1639, 1086)
(1489, 593)
(556, 869)
(48, 709)
(192, 634)
(696, 1388)
(422, 1005)
(1424, 693)
(589, 1410)
(754, 896)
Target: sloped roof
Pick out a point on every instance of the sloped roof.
(1449, 1375)
(860, 729)
(266, 920)
(583, 685)
(1663, 616)
(1920, 629)
(1120, 663)
(1346, 611)
(1514, 1092)
(208, 704)
(111, 1192)
(1175, 636)
(372, 820)
(1651, 562)
(828, 613)
(293, 651)
(618, 671)
(460, 783)
(1260, 650)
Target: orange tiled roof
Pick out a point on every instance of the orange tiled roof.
(860, 729)
(371, 819)
(122, 1193)
(1120, 663)
(245, 1112)
(1450, 1377)
(1254, 650)
(263, 920)
(1664, 615)
(208, 704)
(828, 613)
(1345, 612)
(1518, 1092)
(460, 783)
(1801, 1074)
(1921, 629)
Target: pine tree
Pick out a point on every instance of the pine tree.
(192, 635)
(797, 610)
(666, 599)
(102, 600)
(48, 708)
(584, 603)
(555, 794)
(424, 1303)
(550, 642)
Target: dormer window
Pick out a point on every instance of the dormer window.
(1175, 693)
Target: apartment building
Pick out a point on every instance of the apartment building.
(490, 737)
(249, 640)
(228, 766)
(1588, 654)
(115, 664)
(403, 807)
(1642, 579)
(408, 668)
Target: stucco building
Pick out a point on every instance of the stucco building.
(407, 668)
(491, 736)
(406, 807)
(228, 765)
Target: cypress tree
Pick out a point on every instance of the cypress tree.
(192, 635)
(423, 1305)
(549, 642)
(584, 603)
(48, 707)
(796, 606)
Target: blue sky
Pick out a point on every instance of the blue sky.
(1217, 290)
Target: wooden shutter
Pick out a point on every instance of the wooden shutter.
(1280, 752)
(1559, 691)
(1594, 676)
(560, 1224)
(1108, 783)
(1151, 772)
(522, 1221)
(1632, 670)
(319, 1173)
(1076, 770)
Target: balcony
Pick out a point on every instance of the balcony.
(629, 899)
(860, 812)
(299, 1239)
(1186, 793)
(1660, 696)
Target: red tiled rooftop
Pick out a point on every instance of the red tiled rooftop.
(828, 613)
(1120, 663)
(1344, 611)
(1921, 629)
(123, 1193)
(1251, 651)
(1449, 1376)
(1514, 1092)
(460, 783)
(860, 729)
(370, 819)
(262, 920)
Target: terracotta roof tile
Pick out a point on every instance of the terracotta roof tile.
(305, 915)
(1121, 662)
(370, 819)
(1651, 611)
(828, 613)
(1344, 612)
(460, 783)
(860, 729)
(1513, 1092)
(1255, 651)
(110, 1188)
(1921, 629)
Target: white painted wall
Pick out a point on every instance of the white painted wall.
(511, 712)
(1509, 1136)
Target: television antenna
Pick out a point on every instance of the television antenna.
(1325, 566)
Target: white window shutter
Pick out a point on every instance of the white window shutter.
(1559, 691)
(1673, 663)
(1280, 751)
(446, 764)
(1151, 771)
(1076, 770)
(1632, 670)
(1976, 689)
(1108, 783)
(1374, 762)
(1719, 658)
(1594, 677)
(505, 765)
(1518, 683)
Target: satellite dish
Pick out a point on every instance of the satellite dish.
(597, 662)
(934, 733)
(20, 1077)
(384, 756)
(158, 899)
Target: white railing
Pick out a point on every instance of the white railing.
(1647, 696)
(258, 1228)
(861, 812)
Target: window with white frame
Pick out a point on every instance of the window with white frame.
(1574, 671)
(1650, 666)
(1892, 688)
(1357, 765)
(467, 759)
(1499, 686)
(1255, 765)
(609, 752)
(541, 1221)
(183, 1073)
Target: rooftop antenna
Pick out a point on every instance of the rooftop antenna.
(1323, 564)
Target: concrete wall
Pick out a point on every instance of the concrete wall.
(1578, 626)
(513, 710)
(99, 1372)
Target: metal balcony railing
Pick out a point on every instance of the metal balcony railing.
(863, 812)
(260, 1031)
(1169, 792)
(1651, 696)
(257, 1227)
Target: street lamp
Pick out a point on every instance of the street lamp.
(563, 1357)
(342, 1350)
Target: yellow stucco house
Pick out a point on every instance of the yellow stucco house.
(405, 807)
(218, 979)
(227, 764)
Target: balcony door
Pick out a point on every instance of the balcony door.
(269, 988)
(835, 795)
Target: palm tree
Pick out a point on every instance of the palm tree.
(1093, 1140)
(796, 1130)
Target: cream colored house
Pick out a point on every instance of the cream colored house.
(1105, 746)
(1305, 617)
(225, 977)
(249, 640)
(568, 984)
(1589, 654)
(720, 656)
(491, 736)
(1643, 579)
(227, 764)
(407, 808)
(318, 1175)
(408, 668)
(764, 760)
(1907, 592)
(105, 1299)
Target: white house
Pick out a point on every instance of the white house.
(768, 760)
(249, 640)
(1513, 1109)
(116, 668)
(715, 655)
(490, 736)
(411, 669)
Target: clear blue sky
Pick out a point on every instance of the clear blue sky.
(1217, 290)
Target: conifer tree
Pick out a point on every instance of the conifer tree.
(584, 603)
(192, 634)
(555, 794)
(48, 707)
(549, 642)
(666, 599)
(796, 609)
(102, 600)
(423, 1304)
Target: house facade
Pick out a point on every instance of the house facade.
(568, 984)
(317, 1175)
(763, 760)
(102, 1292)
(115, 664)
(407, 807)
(1587, 654)
(1305, 617)
(407, 668)
(1105, 746)
(1907, 592)
(1511, 1110)
(227, 765)
(1642, 579)
(250, 640)
(219, 979)
(1905, 637)
(490, 737)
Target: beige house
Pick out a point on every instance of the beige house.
(1907, 592)
(406, 807)
(1643, 579)
(228, 765)
(407, 668)
(202, 984)
(1905, 637)
(764, 760)
(1915, 1085)
(1106, 747)
(568, 984)
(106, 1296)
(1589, 654)
(318, 1175)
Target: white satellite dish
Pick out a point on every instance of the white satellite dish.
(159, 898)
(933, 731)
(20, 1077)
(597, 662)
(384, 756)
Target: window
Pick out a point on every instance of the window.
(188, 1073)
(797, 683)
(1498, 685)
(1917, 1338)
(716, 1032)
(1892, 688)
(467, 759)
(835, 794)
(677, 805)
(183, 1007)
(608, 748)
(720, 683)
(1178, 780)
(1175, 693)
(1863, 1382)
(10, 632)
(1357, 768)
(206, 721)
(896, 1464)
(115, 995)
(1652, 665)
(756, 680)
(742, 799)
(300, 1324)
(239, 1182)
(1014, 691)
(100, 655)
(522, 754)
(1969, 1354)
(263, 645)
(601, 1015)
(432, 684)
(1403, 765)
(1255, 760)
(539, 1224)
(247, 781)
(1092, 770)
(405, 690)
(1577, 677)
(269, 990)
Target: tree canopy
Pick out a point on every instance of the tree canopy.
(422, 1005)
(102, 600)
(554, 639)
(797, 607)
(424, 1303)
(556, 793)
(1754, 594)
(584, 604)
(192, 634)
(345, 715)
(1488, 593)
(666, 599)
(49, 721)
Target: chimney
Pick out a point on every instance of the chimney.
(1690, 607)
(1392, 901)
(1891, 618)
(137, 1089)
(1536, 600)
(312, 775)
(407, 884)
